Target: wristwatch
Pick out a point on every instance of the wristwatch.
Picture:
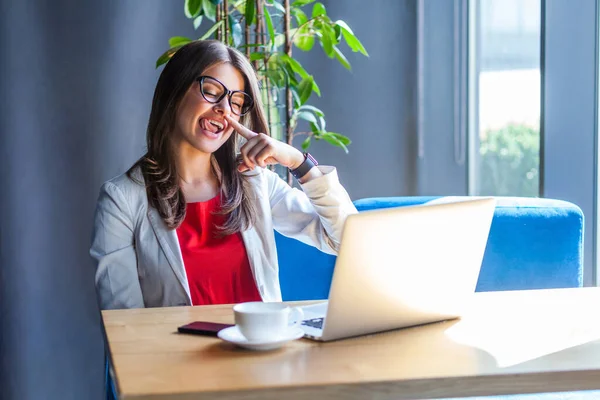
(309, 162)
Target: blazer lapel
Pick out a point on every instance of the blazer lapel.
(169, 243)
(252, 244)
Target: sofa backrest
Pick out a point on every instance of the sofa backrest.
(534, 243)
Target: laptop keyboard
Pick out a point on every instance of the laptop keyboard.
(314, 323)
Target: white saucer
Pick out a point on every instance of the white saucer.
(233, 335)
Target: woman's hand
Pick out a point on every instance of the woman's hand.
(263, 150)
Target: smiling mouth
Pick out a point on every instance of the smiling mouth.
(212, 125)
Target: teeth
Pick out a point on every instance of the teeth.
(216, 123)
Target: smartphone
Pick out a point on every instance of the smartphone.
(203, 328)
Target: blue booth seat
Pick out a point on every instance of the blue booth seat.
(534, 243)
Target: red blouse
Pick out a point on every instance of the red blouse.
(217, 268)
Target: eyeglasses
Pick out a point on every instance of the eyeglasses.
(214, 91)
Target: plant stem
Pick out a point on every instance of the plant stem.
(288, 92)
(257, 37)
(247, 35)
(294, 134)
(310, 21)
(266, 61)
(218, 18)
(288, 51)
(226, 25)
(261, 31)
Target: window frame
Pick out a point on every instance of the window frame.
(569, 74)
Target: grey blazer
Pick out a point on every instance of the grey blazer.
(138, 260)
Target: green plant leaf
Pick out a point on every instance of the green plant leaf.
(274, 63)
(317, 122)
(315, 129)
(304, 39)
(306, 144)
(216, 2)
(237, 5)
(277, 77)
(289, 72)
(178, 41)
(344, 26)
(342, 58)
(354, 43)
(296, 66)
(250, 11)
(279, 7)
(305, 89)
(307, 116)
(318, 9)
(197, 22)
(338, 33)
(212, 30)
(236, 30)
(269, 22)
(326, 41)
(313, 109)
(341, 138)
(251, 45)
(293, 80)
(257, 56)
(322, 124)
(335, 139)
(316, 89)
(192, 8)
(166, 56)
(210, 10)
(327, 27)
(279, 40)
(295, 96)
(282, 77)
(350, 38)
(300, 3)
(300, 16)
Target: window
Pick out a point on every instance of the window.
(506, 97)
(524, 72)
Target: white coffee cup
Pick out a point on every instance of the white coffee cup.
(259, 321)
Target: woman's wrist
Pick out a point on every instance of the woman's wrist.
(297, 159)
(307, 169)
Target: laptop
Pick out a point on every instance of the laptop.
(401, 267)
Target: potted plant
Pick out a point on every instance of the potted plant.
(267, 31)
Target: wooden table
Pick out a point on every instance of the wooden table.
(509, 342)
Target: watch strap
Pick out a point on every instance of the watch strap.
(307, 165)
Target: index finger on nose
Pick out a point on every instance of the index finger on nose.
(241, 129)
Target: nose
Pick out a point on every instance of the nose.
(223, 107)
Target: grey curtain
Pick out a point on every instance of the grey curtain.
(76, 82)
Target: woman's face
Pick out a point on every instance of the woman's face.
(200, 125)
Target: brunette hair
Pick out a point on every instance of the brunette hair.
(158, 165)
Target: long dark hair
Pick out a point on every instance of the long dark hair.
(158, 165)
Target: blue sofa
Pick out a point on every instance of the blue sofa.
(533, 244)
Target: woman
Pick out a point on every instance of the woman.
(192, 221)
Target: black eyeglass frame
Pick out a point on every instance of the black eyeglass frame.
(228, 93)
